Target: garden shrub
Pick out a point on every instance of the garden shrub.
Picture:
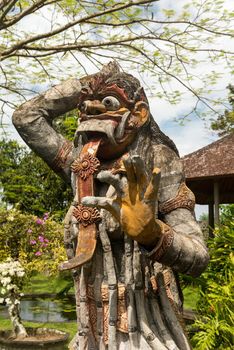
(215, 306)
(36, 242)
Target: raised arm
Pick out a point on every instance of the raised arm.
(33, 121)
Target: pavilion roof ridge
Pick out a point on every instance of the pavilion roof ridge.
(209, 146)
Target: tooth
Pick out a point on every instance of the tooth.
(110, 135)
(84, 137)
(80, 137)
(104, 126)
(120, 130)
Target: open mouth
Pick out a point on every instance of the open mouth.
(103, 126)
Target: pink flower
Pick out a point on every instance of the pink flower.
(32, 241)
(29, 230)
(38, 253)
(39, 221)
(41, 239)
(46, 240)
(45, 216)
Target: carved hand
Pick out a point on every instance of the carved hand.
(134, 204)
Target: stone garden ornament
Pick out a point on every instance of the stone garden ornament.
(130, 228)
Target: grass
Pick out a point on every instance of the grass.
(69, 327)
(39, 284)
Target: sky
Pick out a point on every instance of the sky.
(194, 134)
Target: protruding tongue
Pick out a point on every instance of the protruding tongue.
(84, 168)
(106, 127)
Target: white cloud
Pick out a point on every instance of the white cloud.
(190, 137)
(163, 111)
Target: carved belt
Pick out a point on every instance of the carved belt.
(84, 168)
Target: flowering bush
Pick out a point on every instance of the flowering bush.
(36, 242)
(11, 282)
(37, 238)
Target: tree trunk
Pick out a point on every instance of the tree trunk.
(19, 330)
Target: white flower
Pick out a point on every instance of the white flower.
(8, 301)
(4, 273)
(11, 286)
(3, 291)
(5, 281)
(20, 273)
(2, 300)
(11, 272)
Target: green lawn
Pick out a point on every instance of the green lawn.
(70, 327)
(40, 284)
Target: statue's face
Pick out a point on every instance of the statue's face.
(110, 116)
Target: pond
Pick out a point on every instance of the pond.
(45, 310)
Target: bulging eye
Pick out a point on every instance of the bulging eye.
(83, 106)
(111, 103)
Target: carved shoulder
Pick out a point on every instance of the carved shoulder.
(172, 174)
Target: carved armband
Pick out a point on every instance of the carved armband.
(164, 244)
(60, 160)
(184, 199)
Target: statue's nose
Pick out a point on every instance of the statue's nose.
(94, 107)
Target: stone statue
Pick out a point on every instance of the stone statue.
(131, 227)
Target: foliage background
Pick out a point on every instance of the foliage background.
(215, 325)
(28, 183)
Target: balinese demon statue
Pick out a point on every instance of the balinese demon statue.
(130, 228)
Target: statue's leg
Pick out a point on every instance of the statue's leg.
(129, 281)
(148, 337)
(112, 284)
(169, 315)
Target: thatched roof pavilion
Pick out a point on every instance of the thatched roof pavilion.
(210, 174)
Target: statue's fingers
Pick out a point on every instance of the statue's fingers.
(127, 160)
(152, 189)
(139, 168)
(103, 203)
(114, 180)
(132, 181)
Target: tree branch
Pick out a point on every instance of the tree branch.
(9, 7)
(172, 76)
(136, 21)
(71, 24)
(69, 46)
(34, 7)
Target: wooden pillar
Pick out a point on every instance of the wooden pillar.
(211, 219)
(216, 203)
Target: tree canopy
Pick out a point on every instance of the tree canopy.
(44, 41)
(224, 124)
(28, 183)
